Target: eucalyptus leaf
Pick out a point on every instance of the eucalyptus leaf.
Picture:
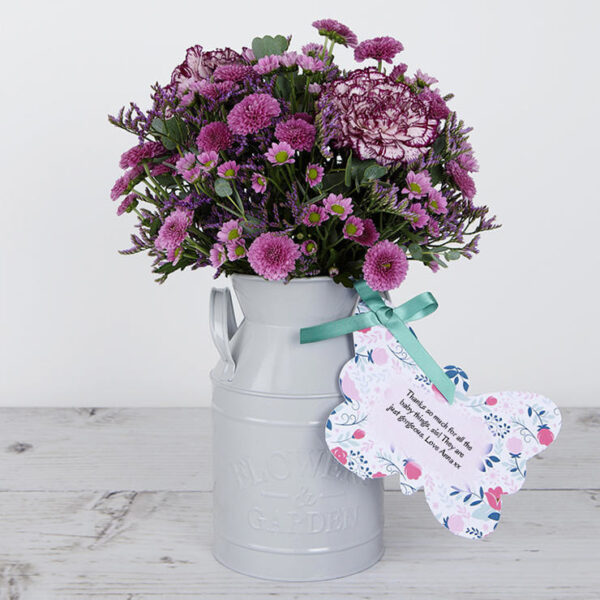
(223, 188)
(268, 45)
(348, 172)
(374, 172)
(452, 255)
(415, 251)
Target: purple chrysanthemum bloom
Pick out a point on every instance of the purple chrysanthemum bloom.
(160, 169)
(143, 151)
(188, 167)
(353, 228)
(314, 215)
(208, 160)
(424, 78)
(418, 185)
(267, 64)
(462, 179)
(314, 88)
(214, 136)
(299, 134)
(398, 71)
(124, 182)
(437, 105)
(336, 31)
(288, 59)
(310, 63)
(259, 183)
(173, 232)
(217, 255)
(253, 113)
(336, 204)
(228, 170)
(370, 235)
(280, 154)
(467, 161)
(313, 49)
(417, 216)
(130, 199)
(314, 174)
(379, 48)
(230, 230)
(309, 247)
(233, 72)
(385, 266)
(437, 202)
(236, 249)
(380, 118)
(212, 91)
(273, 255)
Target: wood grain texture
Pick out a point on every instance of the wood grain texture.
(169, 449)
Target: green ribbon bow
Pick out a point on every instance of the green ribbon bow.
(393, 319)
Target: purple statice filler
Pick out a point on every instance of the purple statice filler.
(173, 232)
(385, 266)
(336, 32)
(379, 49)
(273, 255)
(298, 133)
(253, 113)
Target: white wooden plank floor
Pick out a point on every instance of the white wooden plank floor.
(115, 504)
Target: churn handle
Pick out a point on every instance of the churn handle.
(222, 327)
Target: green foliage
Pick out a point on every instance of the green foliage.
(268, 45)
(223, 188)
(171, 132)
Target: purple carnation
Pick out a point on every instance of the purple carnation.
(173, 232)
(143, 151)
(129, 200)
(273, 255)
(380, 118)
(370, 235)
(214, 136)
(299, 134)
(253, 113)
(385, 266)
(336, 31)
(191, 69)
(123, 184)
(379, 48)
(462, 179)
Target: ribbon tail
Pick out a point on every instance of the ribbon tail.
(337, 328)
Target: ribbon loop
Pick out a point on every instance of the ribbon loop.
(394, 320)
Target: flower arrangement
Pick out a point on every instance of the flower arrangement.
(278, 163)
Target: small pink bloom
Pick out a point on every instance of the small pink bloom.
(377, 475)
(310, 63)
(273, 255)
(208, 160)
(493, 497)
(314, 215)
(314, 174)
(253, 113)
(455, 523)
(309, 247)
(214, 136)
(314, 88)
(280, 154)
(437, 202)
(412, 470)
(380, 356)
(218, 255)
(385, 266)
(491, 401)
(379, 48)
(359, 434)
(230, 230)
(236, 249)
(545, 436)
(338, 205)
(418, 185)
(353, 228)
(417, 216)
(288, 59)
(267, 64)
(370, 235)
(340, 454)
(298, 133)
(259, 183)
(514, 445)
(228, 170)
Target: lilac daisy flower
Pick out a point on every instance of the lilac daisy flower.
(259, 183)
(280, 154)
(417, 216)
(379, 48)
(188, 167)
(217, 255)
(309, 247)
(353, 228)
(370, 235)
(208, 160)
(385, 266)
(273, 255)
(230, 230)
(267, 64)
(336, 31)
(314, 215)
(236, 249)
(338, 205)
(418, 185)
(437, 202)
(288, 59)
(314, 174)
(310, 63)
(253, 113)
(228, 170)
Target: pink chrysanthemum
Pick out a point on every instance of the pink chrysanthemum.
(259, 183)
(214, 136)
(173, 232)
(188, 167)
(124, 183)
(370, 235)
(273, 255)
(418, 185)
(385, 266)
(380, 118)
(280, 154)
(208, 160)
(424, 78)
(141, 152)
(236, 249)
(336, 204)
(310, 63)
(437, 202)
(314, 215)
(309, 247)
(462, 179)
(313, 49)
(217, 255)
(314, 174)
(267, 64)
(232, 72)
(379, 48)
(230, 230)
(160, 169)
(314, 88)
(299, 134)
(288, 59)
(210, 90)
(417, 216)
(228, 170)
(353, 228)
(336, 31)
(467, 161)
(130, 200)
(304, 116)
(253, 113)
(398, 71)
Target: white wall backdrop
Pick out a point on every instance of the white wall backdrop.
(82, 325)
